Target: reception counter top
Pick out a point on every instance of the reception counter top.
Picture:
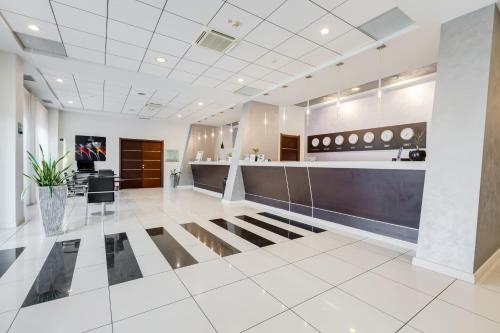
(388, 165)
(380, 197)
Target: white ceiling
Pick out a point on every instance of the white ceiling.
(112, 46)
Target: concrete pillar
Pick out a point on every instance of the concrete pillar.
(11, 162)
(460, 221)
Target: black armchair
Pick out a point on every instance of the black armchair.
(100, 190)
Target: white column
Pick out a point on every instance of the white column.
(460, 221)
(11, 162)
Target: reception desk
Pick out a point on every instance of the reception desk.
(380, 197)
(209, 175)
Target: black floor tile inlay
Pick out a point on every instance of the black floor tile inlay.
(54, 279)
(243, 233)
(7, 258)
(297, 224)
(120, 259)
(176, 255)
(213, 242)
(267, 226)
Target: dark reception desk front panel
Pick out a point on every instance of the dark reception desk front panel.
(209, 176)
(383, 201)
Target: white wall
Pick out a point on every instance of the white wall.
(174, 135)
(399, 106)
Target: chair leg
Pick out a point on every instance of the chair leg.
(103, 209)
(86, 211)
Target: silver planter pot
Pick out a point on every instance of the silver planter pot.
(52, 207)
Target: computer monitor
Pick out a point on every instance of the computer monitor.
(85, 166)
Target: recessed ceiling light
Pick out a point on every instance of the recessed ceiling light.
(179, 115)
(339, 64)
(141, 93)
(266, 94)
(355, 89)
(285, 86)
(240, 80)
(324, 31)
(161, 59)
(59, 80)
(70, 102)
(200, 103)
(308, 76)
(33, 27)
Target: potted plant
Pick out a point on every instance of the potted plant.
(255, 152)
(417, 154)
(174, 177)
(52, 191)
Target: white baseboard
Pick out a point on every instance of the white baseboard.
(461, 275)
(184, 187)
(229, 202)
(207, 192)
(333, 225)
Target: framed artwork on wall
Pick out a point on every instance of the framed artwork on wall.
(90, 148)
(172, 155)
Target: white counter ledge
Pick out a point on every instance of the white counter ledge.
(401, 165)
(209, 162)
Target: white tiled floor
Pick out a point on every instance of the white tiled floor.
(329, 282)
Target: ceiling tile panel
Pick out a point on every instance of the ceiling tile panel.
(335, 26)
(98, 7)
(262, 85)
(246, 21)
(199, 11)
(260, 8)
(33, 8)
(155, 3)
(273, 60)
(255, 71)
(82, 39)
(128, 34)
(182, 76)
(79, 19)
(349, 42)
(277, 77)
(152, 56)
(84, 54)
(125, 50)
(319, 56)
(230, 63)
(168, 45)
(295, 67)
(134, 13)
(295, 47)
(154, 70)
(329, 4)
(191, 66)
(203, 55)
(295, 15)
(247, 51)
(125, 63)
(20, 23)
(219, 74)
(178, 27)
(357, 12)
(268, 35)
(206, 81)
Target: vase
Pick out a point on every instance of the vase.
(174, 180)
(417, 155)
(52, 208)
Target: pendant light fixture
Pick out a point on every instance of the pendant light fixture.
(308, 112)
(205, 135)
(339, 104)
(284, 112)
(213, 132)
(265, 119)
(221, 131)
(379, 90)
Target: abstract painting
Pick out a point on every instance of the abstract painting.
(90, 148)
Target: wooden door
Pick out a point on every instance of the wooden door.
(289, 147)
(141, 163)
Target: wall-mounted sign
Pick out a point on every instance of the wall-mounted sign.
(380, 138)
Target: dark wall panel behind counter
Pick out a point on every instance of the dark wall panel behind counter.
(392, 196)
(300, 192)
(269, 182)
(209, 177)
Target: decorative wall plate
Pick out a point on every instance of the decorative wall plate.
(387, 135)
(339, 140)
(315, 142)
(326, 141)
(353, 138)
(407, 133)
(368, 137)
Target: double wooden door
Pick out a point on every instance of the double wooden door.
(141, 163)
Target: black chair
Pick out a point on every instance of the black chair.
(106, 173)
(100, 190)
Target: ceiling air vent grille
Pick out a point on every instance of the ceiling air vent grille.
(248, 91)
(27, 77)
(215, 40)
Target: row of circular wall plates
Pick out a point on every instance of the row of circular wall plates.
(406, 134)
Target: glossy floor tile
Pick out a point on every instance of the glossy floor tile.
(255, 262)
(54, 279)
(285, 322)
(329, 268)
(292, 251)
(211, 241)
(7, 258)
(172, 250)
(269, 227)
(243, 233)
(120, 259)
(297, 224)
